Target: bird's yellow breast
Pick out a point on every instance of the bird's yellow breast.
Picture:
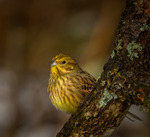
(61, 97)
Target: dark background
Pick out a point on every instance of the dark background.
(34, 31)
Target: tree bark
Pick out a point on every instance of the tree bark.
(124, 81)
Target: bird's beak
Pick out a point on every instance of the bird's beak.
(53, 63)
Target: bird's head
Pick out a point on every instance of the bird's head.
(63, 64)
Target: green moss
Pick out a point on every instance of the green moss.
(123, 22)
(144, 27)
(91, 135)
(115, 70)
(118, 48)
(112, 54)
(131, 47)
(98, 78)
(119, 45)
(76, 123)
(103, 83)
(107, 96)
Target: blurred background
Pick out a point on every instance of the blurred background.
(34, 31)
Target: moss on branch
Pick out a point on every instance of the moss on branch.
(124, 81)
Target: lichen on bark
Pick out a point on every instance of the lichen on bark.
(124, 81)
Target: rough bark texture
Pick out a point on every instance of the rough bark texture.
(124, 81)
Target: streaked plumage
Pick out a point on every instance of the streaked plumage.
(68, 83)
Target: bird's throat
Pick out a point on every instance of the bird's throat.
(55, 71)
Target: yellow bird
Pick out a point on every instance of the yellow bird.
(68, 83)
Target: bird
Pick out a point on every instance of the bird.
(69, 84)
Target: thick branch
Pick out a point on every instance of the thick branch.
(124, 81)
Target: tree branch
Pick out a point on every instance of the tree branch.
(124, 81)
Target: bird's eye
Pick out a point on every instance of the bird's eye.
(63, 62)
